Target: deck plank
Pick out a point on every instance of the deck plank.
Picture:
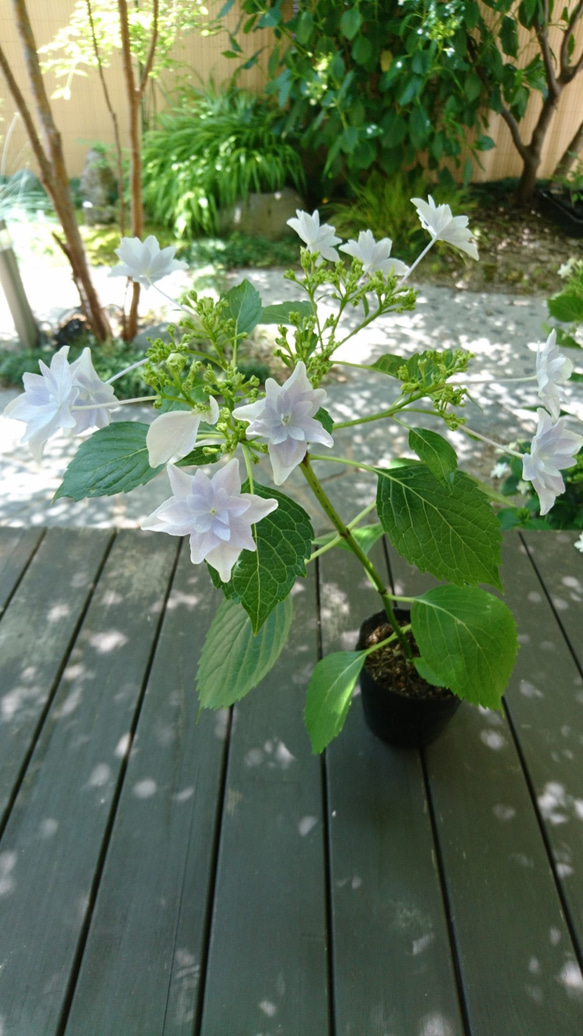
(54, 836)
(267, 970)
(516, 959)
(16, 548)
(141, 969)
(35, 634)
(545, 700)
(393, 969)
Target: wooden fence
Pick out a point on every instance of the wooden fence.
(84, 120)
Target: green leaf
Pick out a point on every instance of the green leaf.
(484, 143)
(199, 456)
(304, 27)
(361, 50)
(280, 312)
(263, 577)
(350, 23)
(244, 306)
(566, 307)
(389, 364)
(325, 420)
(468, 640)
(233, 661)
(448, 530)
(113, 460)
(330, 694)
(435, 451)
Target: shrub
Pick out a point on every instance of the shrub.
(210, 150)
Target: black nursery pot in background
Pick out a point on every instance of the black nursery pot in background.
(406, 721)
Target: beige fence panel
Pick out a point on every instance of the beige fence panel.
(84, 119)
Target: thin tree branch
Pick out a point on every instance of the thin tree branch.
(150, 58)
(514, 132)
(573, 19)
(542, 35)
(40, 155)
(113, 119)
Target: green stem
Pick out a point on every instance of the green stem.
(345, 533)
(338, 539)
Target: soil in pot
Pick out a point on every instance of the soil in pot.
(399, 706)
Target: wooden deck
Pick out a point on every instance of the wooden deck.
(160, 875)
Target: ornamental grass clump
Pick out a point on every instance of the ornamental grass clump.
(214, 425)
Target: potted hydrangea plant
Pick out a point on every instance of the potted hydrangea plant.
(214, 424)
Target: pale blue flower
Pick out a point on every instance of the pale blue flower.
(285, 417)
(443, 226)
(374, 255)
(213, 513)
(144, 261)
(65, 396)
(552, 449)
(552, 370)
(316, 238)
(172, 436)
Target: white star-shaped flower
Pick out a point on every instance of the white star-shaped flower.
(578, 544)
(315, 237)
(213, 512)
(50, 400)
(171, 436)
(285, 417)
(374, 255)
(443, 226)
(552, 449)
(144, 261)
(500, 469)
(552, 370)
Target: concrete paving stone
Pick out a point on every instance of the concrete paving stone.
(500, 331)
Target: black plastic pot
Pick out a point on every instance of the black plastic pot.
(406, 722)
(559, 208)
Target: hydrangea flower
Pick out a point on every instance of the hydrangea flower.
(316, 238)
(144, 261)
(49, 401)
(171, 436)
(285, 417)
(213, 512)
(443, 226)
(552, 370)
(578, 544)
(553, 449)
(374, 255)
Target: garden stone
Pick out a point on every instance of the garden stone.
(262, 215)
(98, 188)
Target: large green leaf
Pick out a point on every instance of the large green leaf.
(330, 694)
(435, 451)
(567, 307)
(448, 529)
(263, 577)
(233, 659)
(244, 306)
(280, 312)
(467, 638)
(113, 460)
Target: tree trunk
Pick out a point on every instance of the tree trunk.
(52, 169)
(532, 153)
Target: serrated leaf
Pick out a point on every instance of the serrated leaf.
(566, 307)
(325, 420)
(448, 530)
(389, 364)
(280, 312)
(435, 451)
(330, 694)
(262, 578)
(233, 660)
(468, 640)
(244, 306)
(198, 456)
(113, 460)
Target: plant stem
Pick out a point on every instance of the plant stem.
(345, 533)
